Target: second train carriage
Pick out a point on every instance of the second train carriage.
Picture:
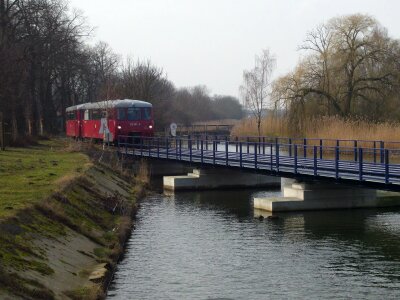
(110, 119)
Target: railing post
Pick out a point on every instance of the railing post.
(255, 156)
(201, 143)
(141, 146)
(337, 162)
(320, 149)
(355, 150)
(226, 152)
(190, 149)
(167, 146)
(158, 147)
(236, 140)
(148, 144)
(295, 158)
(206, 142)
(248, 145)
(375, 152)
(360, 163)
(263, 145)
(126, 148)
(290, 147)
(271, 157)
(241, 154)
(382, 146)
(180, 149)
(277, 157)
(214, 146)
(387, 166)
(315, 161)
(305, 147)
(176, 148)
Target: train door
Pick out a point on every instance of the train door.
(78, 123)
(71, 123)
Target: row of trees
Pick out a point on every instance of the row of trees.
(46, 66)
(350, 68)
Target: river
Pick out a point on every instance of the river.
(212, 245)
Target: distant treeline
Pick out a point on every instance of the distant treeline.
(46, 66)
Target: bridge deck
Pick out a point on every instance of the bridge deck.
(341, 164)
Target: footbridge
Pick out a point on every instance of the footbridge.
(321, 165)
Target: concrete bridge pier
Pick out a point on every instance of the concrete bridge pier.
(318, 196)
(217, 178)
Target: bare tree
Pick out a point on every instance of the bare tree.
(349, 70)
(256, 85)
(145, 81)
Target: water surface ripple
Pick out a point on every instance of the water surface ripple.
(209, 245)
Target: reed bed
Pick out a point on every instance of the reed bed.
(327, 128)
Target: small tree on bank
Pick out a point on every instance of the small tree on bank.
(255, 89)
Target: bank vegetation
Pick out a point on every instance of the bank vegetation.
(346, 85)
(66, 211)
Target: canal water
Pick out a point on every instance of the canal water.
(213, 245)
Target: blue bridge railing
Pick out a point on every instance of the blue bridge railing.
(340, 160)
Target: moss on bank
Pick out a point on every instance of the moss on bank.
(59, 231)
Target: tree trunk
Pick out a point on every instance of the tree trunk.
(259, 125)
(14, 125)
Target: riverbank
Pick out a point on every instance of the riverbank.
(64, 219)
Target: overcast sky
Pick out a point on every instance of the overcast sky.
(211, 42)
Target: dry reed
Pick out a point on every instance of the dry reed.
(324, 128)
(143, 175)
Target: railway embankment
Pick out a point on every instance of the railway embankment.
(64, 218)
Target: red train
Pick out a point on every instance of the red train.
(107, 120)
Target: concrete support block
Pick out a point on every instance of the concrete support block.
(158, 168)
(218, 179)
(318, 196)
(286, 182)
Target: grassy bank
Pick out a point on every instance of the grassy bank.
(29, 175)
(63, 221)
(326, 128)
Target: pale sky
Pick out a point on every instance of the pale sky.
(211, 42)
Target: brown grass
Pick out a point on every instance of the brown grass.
(324, 128)
(272, 127)
(144, 173)
(88, 292)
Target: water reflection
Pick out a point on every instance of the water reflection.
(212, 245)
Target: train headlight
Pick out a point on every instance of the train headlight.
(150, 126)
(119, 127)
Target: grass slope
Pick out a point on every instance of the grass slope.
(69, 223)
(28, 175)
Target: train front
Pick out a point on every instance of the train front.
(134, 118)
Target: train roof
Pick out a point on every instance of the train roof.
(110, 104)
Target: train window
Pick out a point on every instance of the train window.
(96, 114)
(133, 113)
(121, 114)
(146, 113)
(87, 115)
(71, 115)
